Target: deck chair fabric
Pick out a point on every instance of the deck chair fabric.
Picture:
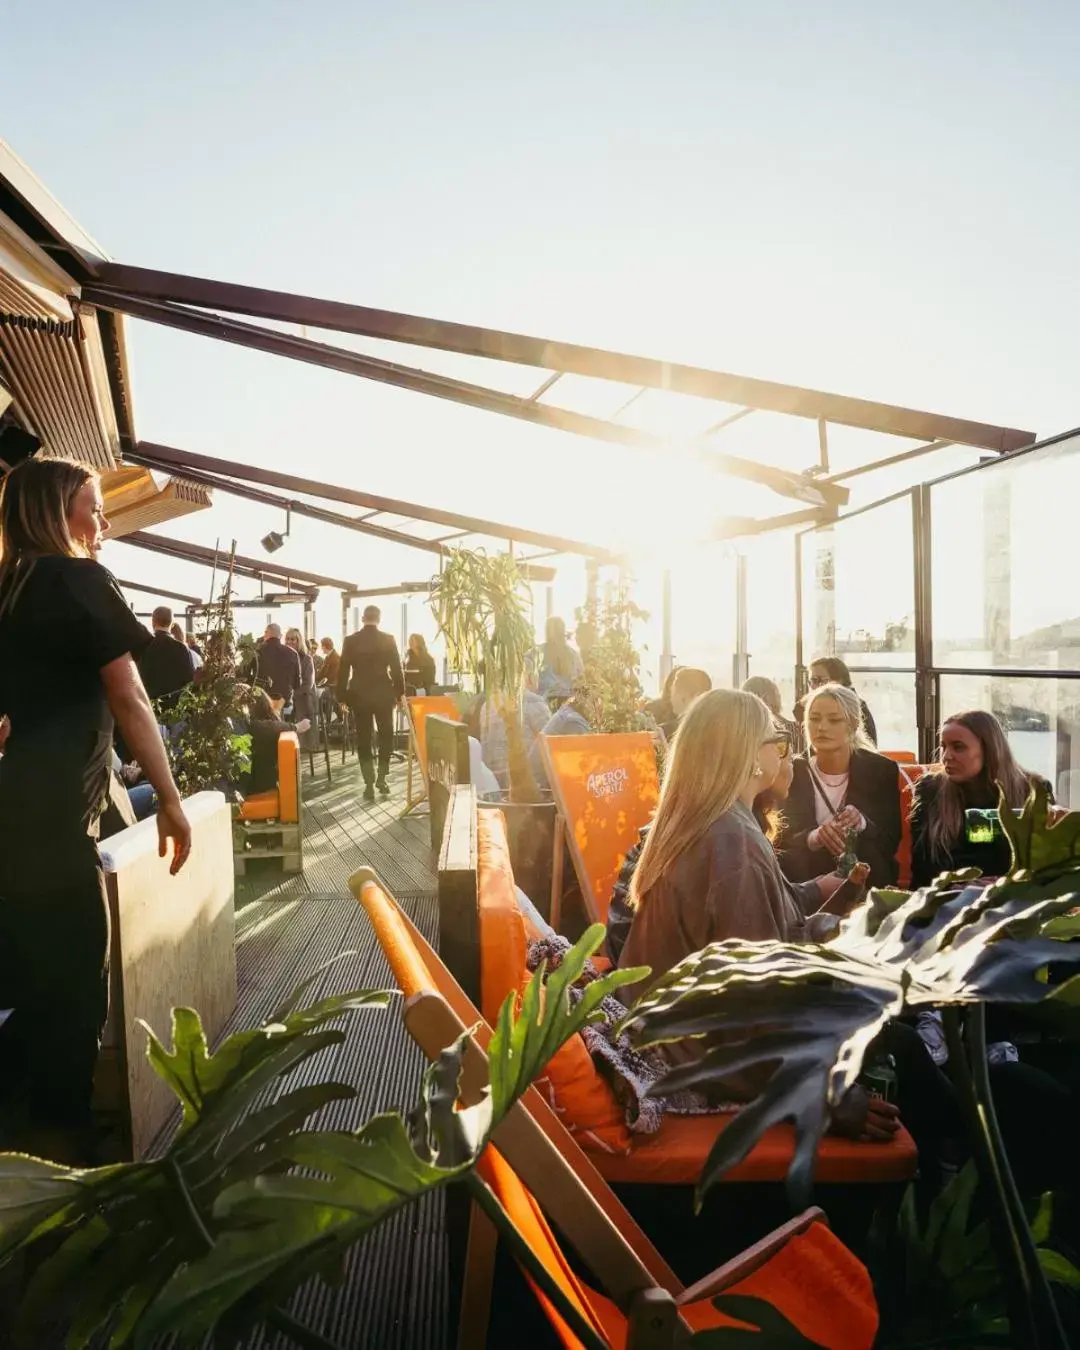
(818, 1285)
(420, 708)
(909, 776)
(676, 1154)
(606, 788)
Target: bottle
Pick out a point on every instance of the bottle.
(879, 1078)
(847, 860)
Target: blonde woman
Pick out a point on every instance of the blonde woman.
(844, 798)
(68, 643)
(303, 709)
(707, 872)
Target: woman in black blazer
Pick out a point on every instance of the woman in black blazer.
(841, 784)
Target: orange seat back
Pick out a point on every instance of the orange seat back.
(501, 929)
(899, 756)
(420, 709)
(606, 787)
(909, 776)
(288, 776)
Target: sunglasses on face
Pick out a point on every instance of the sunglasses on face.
(782, 743)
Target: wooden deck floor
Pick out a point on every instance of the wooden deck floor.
(342, 833)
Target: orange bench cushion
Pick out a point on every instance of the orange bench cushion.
(675, 1155)
(909, 775)
(571, 1085)
(261, 806)
(288, 775)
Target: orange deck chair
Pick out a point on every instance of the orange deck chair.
(606, 787)
(419, 709)
(675, 1155)
(269, 824)
(801, 1268)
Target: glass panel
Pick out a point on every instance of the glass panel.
(1003, 547)
(770, 610)
(891, 700)
(859, 588)
(1041, 718)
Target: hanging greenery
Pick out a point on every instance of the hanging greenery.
(206, 750)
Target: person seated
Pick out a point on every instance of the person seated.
(766, 811)
(707, 873)
(831, 670)
(419, 667)
(265, 725)
(688, 683)
(845, 797)
(488, 725)
(560, 665)
(769, 693)
(573, 718)
(975, 757)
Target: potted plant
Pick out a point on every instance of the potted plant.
(248, 1203)
(610, 682)
(954, 945)
(481, 604)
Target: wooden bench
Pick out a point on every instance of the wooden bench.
(268, 824)
(536, 1169)
(172, 946)
(447, 740)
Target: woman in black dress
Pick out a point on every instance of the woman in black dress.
(419, 666)
(67, 670)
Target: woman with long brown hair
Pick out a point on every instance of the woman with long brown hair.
(974, 759)
(67, 671)
(419, 665)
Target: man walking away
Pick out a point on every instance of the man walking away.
(277, 669)
(371, 681)
(165, 665)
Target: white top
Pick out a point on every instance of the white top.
(835, 786)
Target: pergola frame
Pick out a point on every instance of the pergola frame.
(182, 302)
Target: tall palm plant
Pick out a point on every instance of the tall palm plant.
(481, 604)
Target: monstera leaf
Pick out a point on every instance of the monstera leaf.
(797, 1019)
(247, 1203)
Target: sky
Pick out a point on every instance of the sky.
(873, 200)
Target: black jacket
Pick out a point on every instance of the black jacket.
(874, 789)
(277, 669)
(993, 859)
(370, 671)
(165, 666)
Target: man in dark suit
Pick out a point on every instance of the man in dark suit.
(277, 668)
(165, 665)
(371, 681)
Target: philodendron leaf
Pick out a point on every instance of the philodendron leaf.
(1037, 846)
(765, 1326)
(35, 1196)
(792, 1023)
(274, 1231)
(526, 1038)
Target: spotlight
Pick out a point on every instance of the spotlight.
(272, 541)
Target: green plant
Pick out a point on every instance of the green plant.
(247, 1203)
(481, 604)
(802, 1016)
(610, 684)
(205, 750)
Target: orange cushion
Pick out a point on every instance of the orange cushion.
(584, 1100)
(676, 1153)
(909, 775)
(502, 931)
(288, 772)
(261, 806)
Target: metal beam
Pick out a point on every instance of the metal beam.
(727, 422)
(159, 591)
(320, 513)
(892, 459)
(557, 356)
(738, 529)
(182, 462)
(456, 391)
(255, 567)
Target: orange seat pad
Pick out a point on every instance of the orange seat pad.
(676, 1153)
(261, 806)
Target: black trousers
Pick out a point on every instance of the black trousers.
(54, 974)
(382, 714)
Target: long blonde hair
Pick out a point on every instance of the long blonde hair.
(847, 700)
(712, 760)
(36, 499)
(945, 822)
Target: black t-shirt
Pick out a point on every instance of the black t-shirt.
(68, 621)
